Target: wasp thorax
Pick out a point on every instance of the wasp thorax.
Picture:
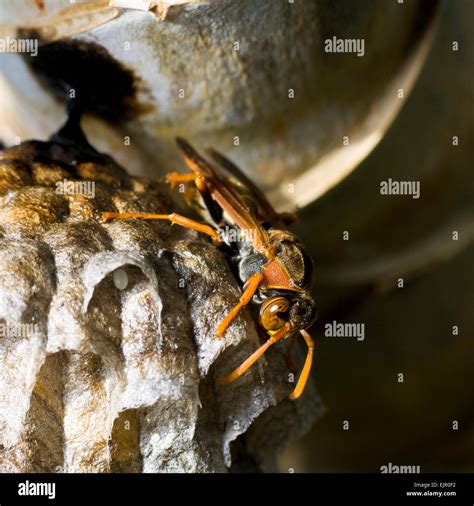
(294, 258)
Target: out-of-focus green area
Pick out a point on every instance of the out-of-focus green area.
(408, 330)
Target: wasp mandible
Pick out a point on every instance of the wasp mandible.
(270, 261)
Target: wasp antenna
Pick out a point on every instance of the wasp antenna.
(300, 386)
(247, 364)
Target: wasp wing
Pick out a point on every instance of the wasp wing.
(227, 198)
(266, 210)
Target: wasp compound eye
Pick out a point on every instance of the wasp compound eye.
(274, 313)
(303, 311)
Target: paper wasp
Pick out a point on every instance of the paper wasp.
(272, 265)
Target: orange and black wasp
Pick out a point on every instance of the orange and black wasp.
(274, 268)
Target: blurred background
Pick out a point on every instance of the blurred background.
(408, 330)
(407, 111)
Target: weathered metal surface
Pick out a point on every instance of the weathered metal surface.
(223, 72)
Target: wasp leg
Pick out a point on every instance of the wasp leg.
(175, 178)
(247, 364)
(306, 368)
(173, 218)
(250, 288)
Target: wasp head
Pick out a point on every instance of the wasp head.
(296, 308)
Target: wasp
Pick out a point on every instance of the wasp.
(275, 271)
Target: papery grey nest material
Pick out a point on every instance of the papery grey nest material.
(107, 379)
